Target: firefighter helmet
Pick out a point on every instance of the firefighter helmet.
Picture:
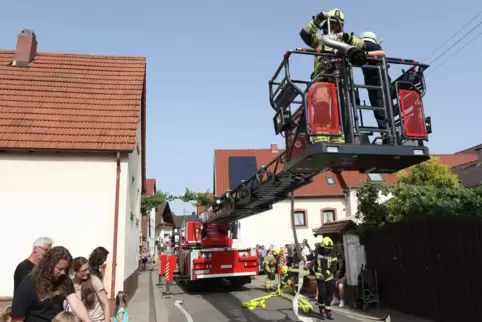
(338, 15)
(275, 252)
(369, 36)
(327, 242)
(284, 269)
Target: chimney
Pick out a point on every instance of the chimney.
(274, 148)
(479, 153)
(26, 48)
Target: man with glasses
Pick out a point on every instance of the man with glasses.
(40, 247)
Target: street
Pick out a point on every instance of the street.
(221, 304)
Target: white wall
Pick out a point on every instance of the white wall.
(274, 226)
(352, 204)
(69, 197)
(152, 231)
(130, 233)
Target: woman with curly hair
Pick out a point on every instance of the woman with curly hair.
(96, 259)
(40, 296)
(90, 290)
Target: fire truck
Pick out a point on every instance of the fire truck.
(208, 251)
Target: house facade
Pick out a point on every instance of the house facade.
(148, 229)
(72, 156)
(331, 197)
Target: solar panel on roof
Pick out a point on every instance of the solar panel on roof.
(240, 168)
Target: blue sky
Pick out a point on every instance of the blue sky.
(209, 63)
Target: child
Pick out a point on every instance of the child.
(121, 314)
(65, 317)
(5, 316)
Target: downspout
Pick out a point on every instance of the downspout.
(116, 225)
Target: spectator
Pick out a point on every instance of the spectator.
(144, 256)
(90, 290)
(121, 314)
(305, 248)
(65, 317)
(40, 246)
(96, 260)
(41, 294)
(340, 282)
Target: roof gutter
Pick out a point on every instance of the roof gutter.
(116, 226)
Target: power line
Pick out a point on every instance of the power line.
(451, 37)
(455, 53)
(458, 41)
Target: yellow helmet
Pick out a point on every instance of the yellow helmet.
(327, 242)
(275, 252)
(338, 15)
(284, 269)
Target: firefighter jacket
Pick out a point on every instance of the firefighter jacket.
(311, 37)
(270, 264)
(325, 265)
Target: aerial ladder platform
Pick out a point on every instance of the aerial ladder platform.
(297, 118)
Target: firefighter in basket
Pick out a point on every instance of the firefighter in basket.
(325, 267)
(270, 266)
(330, 23)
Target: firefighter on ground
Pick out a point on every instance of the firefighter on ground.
(270, 266)
(290, 276)
(325, 268)
(335, 19)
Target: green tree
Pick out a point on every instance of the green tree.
(373, 212)
(430, 188)
(429, 173)
(154, 201)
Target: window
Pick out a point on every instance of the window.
(328, 216)
(375, 177)
(331, 181)
(300, 218)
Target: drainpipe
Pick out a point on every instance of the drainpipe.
(116, 226)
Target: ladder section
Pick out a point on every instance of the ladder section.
(361, 131)
(270, 184)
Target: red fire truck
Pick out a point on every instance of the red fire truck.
(208, 253)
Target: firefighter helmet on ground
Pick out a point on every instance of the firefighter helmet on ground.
(326, 242)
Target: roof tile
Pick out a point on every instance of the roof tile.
(71, 102)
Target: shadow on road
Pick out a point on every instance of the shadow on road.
(230, 306)
(209, 286)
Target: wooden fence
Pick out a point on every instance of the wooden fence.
(430, 267)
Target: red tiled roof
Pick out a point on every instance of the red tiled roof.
(353, 179)
(470, 150)
(319, 187)
(71, 102)
(151, 186)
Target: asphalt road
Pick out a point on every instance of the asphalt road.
(222, 305)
